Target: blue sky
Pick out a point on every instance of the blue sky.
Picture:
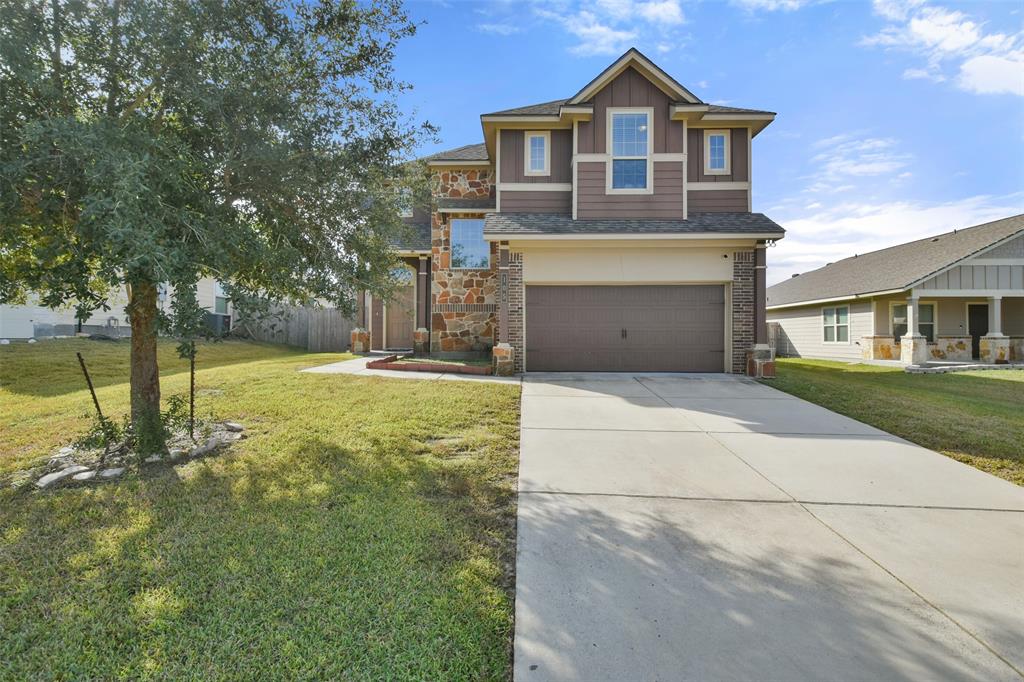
(896, 119)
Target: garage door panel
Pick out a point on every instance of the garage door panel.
(668, 328)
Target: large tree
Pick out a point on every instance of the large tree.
(161, 141)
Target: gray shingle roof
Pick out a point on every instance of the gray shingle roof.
(468, 152)
(896, 267)
(543, 109)
(416, 239)
(482, 204)
(719, 109)
(698, 223)
(552, 109)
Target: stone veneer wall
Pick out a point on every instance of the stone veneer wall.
(742, 309)
(463, 302)
(516, 309)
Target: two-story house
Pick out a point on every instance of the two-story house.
(610, 231)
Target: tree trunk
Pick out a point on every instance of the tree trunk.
(145, 375)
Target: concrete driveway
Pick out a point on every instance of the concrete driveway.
(708, 527)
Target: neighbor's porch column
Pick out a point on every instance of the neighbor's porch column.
(995, 316)
(913, 346)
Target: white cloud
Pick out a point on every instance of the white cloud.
(993, 75)
(816, 237)
(771, 5)
(923, 74)
(610, 27)
(989, 63)
(498, 29)
(665, 12)
(847, 156)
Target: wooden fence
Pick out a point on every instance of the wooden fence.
(321, 330)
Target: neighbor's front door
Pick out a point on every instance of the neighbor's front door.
(977, 326)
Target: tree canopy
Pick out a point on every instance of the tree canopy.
(152, 141)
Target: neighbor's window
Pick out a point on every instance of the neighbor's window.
(925, 326)
(220, 299)
(538, 153)
(405, 203)
(630, 149)
(716, 152)
(469, 250)
(836, 323)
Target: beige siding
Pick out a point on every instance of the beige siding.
(801, 332)
(1011, 249)
(717, 201)
(536, 202)
(634, 265)
(513, 157)
(979, 276)
(593, 202)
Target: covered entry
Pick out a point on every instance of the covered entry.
(625, 328)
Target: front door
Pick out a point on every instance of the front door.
(401, 318)
(977, 326)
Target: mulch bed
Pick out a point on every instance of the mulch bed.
(391, 362)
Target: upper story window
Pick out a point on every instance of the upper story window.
(716, 152)
(405, 203)
(469, 249)
(538, 153)
(630, 138)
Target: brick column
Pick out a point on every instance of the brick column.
(516, 303)
(742, 309)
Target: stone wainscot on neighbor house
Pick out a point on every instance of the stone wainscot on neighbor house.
(610, 231)
(962, 292)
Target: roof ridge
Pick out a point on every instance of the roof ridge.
(955, 230)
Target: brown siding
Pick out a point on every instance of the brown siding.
(630, 89)
(666, 202)
(739, 162)
(717, 201)
(513, 157)
(539, 202)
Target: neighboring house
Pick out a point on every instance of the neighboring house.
(35, 321)
(964, 289)
(608, 231)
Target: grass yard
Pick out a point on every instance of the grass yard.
(363, 530)
(973, 417)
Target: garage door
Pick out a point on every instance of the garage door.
(625, 328)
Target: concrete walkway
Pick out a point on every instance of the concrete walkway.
(709, 527)
(358, 367)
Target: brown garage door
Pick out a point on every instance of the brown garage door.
(625, 328)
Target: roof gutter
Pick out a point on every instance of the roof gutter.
(625, 236)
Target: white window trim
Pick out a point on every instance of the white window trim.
(836, 325)
(611, 157)
(451, 249)
(707, 152)
(935, 317)
(527, 151)
(406, 208)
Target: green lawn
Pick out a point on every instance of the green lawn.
(363, 530)
(973, 417)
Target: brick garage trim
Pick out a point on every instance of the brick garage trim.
(516, 310)
(742, 308)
